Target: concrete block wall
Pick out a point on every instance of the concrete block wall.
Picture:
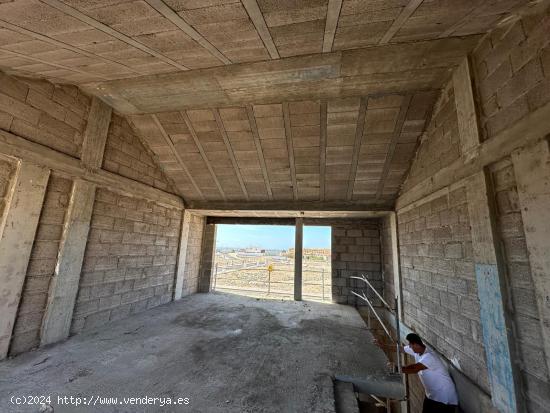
(440, 143)
(510, 81)
(526, 318)
(355, 251)
(512, 72)
(193, 256)
(52, 115)
(130, 259)
(438, 281)
(125, 155)
(41, 268)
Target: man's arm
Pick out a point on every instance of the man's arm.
(413, 368)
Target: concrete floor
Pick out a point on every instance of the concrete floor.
(226, 353)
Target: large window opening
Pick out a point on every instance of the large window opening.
(255, 260)
(258, 261)
(316, 264)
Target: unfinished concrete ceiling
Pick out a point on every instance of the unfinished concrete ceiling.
(259, 100)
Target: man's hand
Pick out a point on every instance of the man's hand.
(413, 368)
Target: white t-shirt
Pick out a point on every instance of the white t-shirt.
(437, 382)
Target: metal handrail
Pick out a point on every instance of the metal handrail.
(394, 312)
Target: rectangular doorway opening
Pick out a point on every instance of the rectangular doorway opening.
(316, 263)
(254, 260)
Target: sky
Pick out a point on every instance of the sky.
(269, 236)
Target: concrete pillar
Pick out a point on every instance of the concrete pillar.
(468, 128)
(182, 254)
(532, 170)
(491, 287)
(64, 284)
(16, 240)
(298, 246)
(95, 135)
(57, 319)
(396, 263)
(208, 255)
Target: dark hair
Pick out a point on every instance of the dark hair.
(414, 339)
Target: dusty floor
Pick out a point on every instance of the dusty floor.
(225, 353)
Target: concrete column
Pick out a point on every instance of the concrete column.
(182, 254)
(64, 284)
(16, 240)
(396, 263)
(491, 287)
(298, 246)
(532, 169)
(207, 258)
(95, 135)
(468, 127)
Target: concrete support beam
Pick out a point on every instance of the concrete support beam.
(182, 254)
(64, 284)
(208, 256)
(528, 130)
(532, 170)
(298, 246)
(491, 287)
(21, 148)
(22, 213)
(468, 127)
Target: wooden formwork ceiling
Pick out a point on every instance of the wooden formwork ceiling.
(279, 102)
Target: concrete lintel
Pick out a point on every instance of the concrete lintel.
(16, 240)
(64, 284)
(298, 244)
(182, 254)
(532, 170)
(500, 353)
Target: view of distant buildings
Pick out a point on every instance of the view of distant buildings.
(251, 252)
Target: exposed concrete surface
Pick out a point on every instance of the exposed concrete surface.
(226, 353)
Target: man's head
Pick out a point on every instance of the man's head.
(416, 343)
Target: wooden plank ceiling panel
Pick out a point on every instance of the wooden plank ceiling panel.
(239, 133)
(297, 28)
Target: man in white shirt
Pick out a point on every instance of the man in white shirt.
(439, 387)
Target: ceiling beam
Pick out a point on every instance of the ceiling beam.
(201, 151)
(323, 150)
(357, 147)
(333, 14)
(63, 45)
(230, 208)
(254, 129)
(257, 18)
(407, 12)
(392, 68)
(176, 19)
(106, 29)
(395, 137)
(223, 132)
(177, 155)
(290, 149)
